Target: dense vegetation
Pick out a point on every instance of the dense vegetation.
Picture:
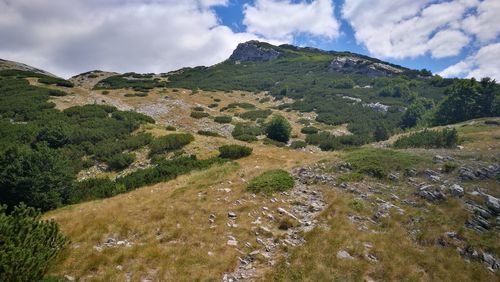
(271, 181)
(138, 82)
(223, 119)
(246, 132)
(27, 244)
(170, 142)
(446, 138)
(42, 149)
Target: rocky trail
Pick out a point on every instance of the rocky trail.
(306, 203)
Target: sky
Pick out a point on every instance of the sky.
(452, 38)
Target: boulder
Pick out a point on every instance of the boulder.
(493, 203)
(456, 191)
(344, 255)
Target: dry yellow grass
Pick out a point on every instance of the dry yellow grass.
(168, 223)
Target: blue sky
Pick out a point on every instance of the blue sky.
(454, 38)
(232, 16)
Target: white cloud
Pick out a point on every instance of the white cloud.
(282, 19)
(408, 28)
(483, 63)
(485, 23)
(71, 36)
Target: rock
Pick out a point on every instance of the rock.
(394, 176)
(477, 209)
(69, 278)
(431, 194)
(232, 242)
(493, 203)
(456, 191)
(283, 211)
(351, 64)
(344, 255)
(231, 215)
(478, 223)
(441, 159)
(377, 107)
(251, 51)
(466, 173)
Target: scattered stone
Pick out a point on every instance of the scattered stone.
(441, 159)
(342, 254)
(394, 176)
(456, 191)
(493, 203)
(231, 215)
(430, 193)
(69, 278)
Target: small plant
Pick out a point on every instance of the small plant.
(286, 223)
(241, 105)
(264, 100)
(170, 128)
(234, 151)
(309, 130)
(298, 144)
(268, 141)
(271, 181)
(105, 92)
(256, 114)
(223, 119)
(198, 109)
(213, 105)
(199, 115)
(356, 205)
(208, 133)
(217, 100)
(449, 167)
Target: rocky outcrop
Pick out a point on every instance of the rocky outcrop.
(251, 51)
(361, 66)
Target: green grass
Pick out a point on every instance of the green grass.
(380, 162)
(271, 181)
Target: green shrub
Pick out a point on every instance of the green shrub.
(268, 141)
(449, 167)
(208, 133)
(241, 105)
(28, 245)
(255, 114)
(213, 105)
(93, 189)
(198, 109)
(217, 100)
(343, 83)
(120, 161)
(264, 100)
(271, 181)
(379, 162)
(278, 129)
(141, 94)
(105, 92)
(357, 205)
(57, 93)
(234, 151)
(246, 132)
(309, 130)
(446, 138)
(170, 128)
(170, 142)
(350, 177)
(223, 119)
(298, 144)
(198, 115)
(56, 81)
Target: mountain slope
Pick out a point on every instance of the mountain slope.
(11, 65)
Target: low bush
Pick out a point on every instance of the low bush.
(28, 244)
(58, 93)
(379, 162)
(170, 142)
(241, 105)
(208, 133)
(268, 141)
(298, 144)
(199, 115)
(309, 130)
(105, 92)
(120, 161)
(198, 109)
(449, 167)
(56, 81)
(213, 105)
(234, 151)
(246, 132)
(271, 181)
(278, 129)
(255, 114)
(446, 138)
(264, 100)
(170, 128)
(223, 119)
